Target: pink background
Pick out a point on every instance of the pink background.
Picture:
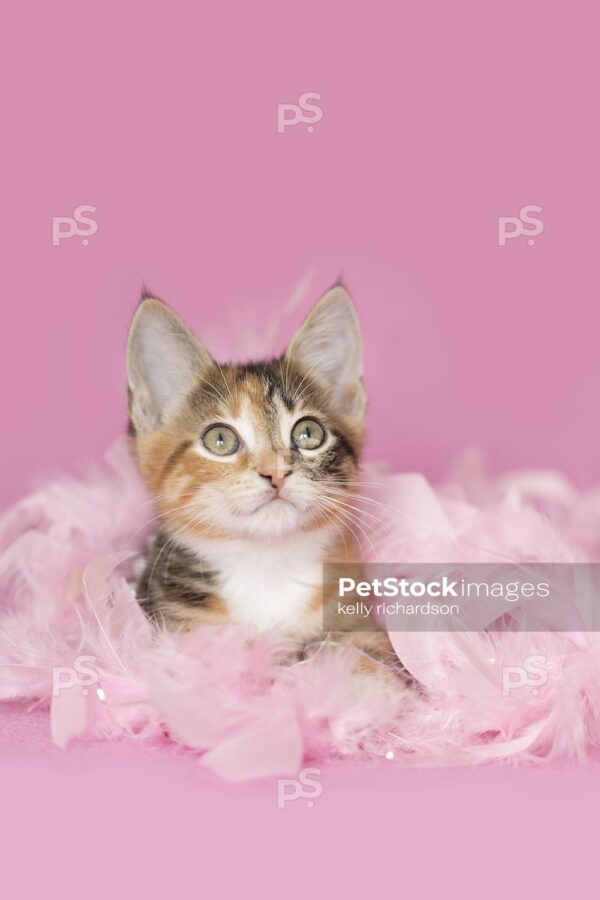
(438, 119)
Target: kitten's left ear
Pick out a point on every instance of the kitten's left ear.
(328, 347)
(164, 361)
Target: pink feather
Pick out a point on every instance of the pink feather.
(228, 695)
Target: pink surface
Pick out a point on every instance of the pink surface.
(438, 119)
(117, 821)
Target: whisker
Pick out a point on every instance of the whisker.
(364, 498)
(170, 542)
(225, 381)
(363, 512)
(309, 373)
(212, 386)
(351, 517)
(162, 515)
(323, 508)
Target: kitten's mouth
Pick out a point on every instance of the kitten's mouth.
(276, 500)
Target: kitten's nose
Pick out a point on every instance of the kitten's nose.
(277, 470)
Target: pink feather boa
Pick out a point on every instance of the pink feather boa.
(224, 693)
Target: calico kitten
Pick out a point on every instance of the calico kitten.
(252, 467)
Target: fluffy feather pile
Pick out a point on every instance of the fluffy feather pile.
(73, 637)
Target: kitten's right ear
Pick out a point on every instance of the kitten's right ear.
(164, 360)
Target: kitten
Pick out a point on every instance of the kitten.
(252, 467)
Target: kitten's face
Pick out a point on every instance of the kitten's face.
(252, 451)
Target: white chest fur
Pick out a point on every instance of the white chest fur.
(268, 584)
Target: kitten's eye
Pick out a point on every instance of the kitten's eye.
(307, 434)
(221, 440)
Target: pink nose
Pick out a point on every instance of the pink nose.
(276, 473)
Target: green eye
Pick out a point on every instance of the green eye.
(307, 434)
(221, 440)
